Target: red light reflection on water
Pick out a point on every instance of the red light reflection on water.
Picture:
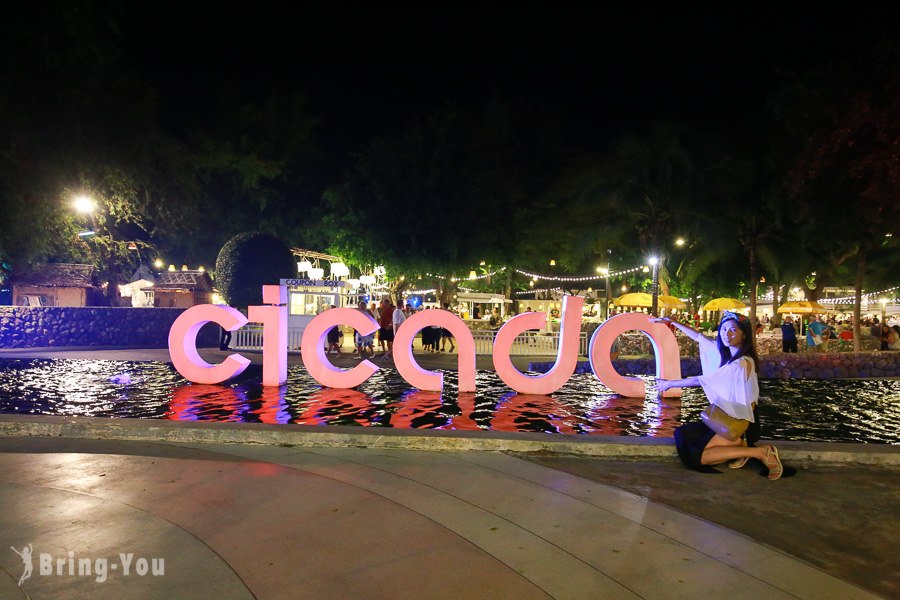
(209, 402)
(329, 404)
(416, 409)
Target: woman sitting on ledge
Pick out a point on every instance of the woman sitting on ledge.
(730, 426)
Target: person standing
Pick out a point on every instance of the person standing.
(364, 341)
(788, 336)
(386, 320)
(397, 319)
(814, 334)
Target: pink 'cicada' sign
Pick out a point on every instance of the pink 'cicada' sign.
(273, 316)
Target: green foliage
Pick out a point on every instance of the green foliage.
(247, 262)
(447, 192)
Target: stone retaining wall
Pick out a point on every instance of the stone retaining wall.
(839, 365)
(59, 326)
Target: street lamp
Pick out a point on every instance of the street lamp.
(84, 204)
(654, 261)
(605, 273)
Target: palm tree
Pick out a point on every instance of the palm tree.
(641, 196)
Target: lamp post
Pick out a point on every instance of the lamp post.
(605, 273)
(655, 308)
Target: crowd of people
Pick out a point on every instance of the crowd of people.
(389, 318)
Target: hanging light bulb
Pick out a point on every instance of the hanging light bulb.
(339, 269)
(482, 263)
(552, 263)
(472, 275)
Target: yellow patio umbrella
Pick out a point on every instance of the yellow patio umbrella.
(643, 299)
(670, 302)
(723, 304)
(634, 299)
(802, 307)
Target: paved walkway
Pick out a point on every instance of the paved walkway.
(233, 521)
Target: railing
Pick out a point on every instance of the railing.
(250, 337)
(527, 344)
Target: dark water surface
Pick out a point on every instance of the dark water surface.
(803, 410)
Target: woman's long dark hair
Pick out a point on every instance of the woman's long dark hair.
(747, 347)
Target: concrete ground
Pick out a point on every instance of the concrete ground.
(365, 520)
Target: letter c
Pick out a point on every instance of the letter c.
(183, 344)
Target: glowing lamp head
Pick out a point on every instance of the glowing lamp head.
(654, 261)
(84, 204)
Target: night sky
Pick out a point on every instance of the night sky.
(368, 69)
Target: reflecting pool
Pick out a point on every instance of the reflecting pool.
(834, 411)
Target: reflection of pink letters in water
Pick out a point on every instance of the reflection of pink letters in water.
(312, 348)
(566, 353)
(183, 343)
(274, 408)
(464, 420)
(513, 408)
(416, 405)
(665, 347)
(433, 381)
(329, 404)
(189, 401)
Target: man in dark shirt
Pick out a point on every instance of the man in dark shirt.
(788, 336)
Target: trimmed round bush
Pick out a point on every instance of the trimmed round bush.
(247, 262)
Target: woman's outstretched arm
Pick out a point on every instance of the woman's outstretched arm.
(664, 384)
(688, 331)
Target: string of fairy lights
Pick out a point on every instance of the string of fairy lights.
(536, 277)
(865, 297)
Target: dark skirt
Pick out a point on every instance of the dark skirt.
(691, 440)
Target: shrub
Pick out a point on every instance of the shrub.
(247, 262)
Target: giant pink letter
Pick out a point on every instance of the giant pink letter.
(274, 320)
(566, 352)
(665, 348)
(313, 352)
(433, 381)
(183, 343)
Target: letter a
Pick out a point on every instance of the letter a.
(566, 353)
